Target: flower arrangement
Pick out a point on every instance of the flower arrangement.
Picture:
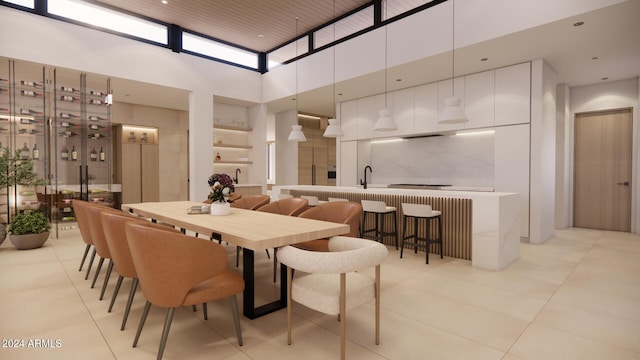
(221, 186)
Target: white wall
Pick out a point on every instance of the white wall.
(563, 151)
(612, 95)
(543, 129)
(286, 151)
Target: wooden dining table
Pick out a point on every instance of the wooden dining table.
(251, 230)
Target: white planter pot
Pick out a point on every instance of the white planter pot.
(220, 208)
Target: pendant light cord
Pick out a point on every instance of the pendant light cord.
(296, 44)
(335, 116)
(386, 40)
(453, 48)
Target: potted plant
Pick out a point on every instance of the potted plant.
(14, 170)
(29, 230)
(221, 186)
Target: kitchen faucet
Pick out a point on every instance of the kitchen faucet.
(236, 178)
(365, 176)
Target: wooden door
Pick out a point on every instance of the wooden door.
(149, 170)
(602, 170)
(131, 176)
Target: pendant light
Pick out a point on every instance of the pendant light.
(333, 130)
(296, 133)
(453, 112)
(385, 121)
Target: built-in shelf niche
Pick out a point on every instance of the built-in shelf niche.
(139, 134)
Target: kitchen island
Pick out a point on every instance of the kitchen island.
(479, 226)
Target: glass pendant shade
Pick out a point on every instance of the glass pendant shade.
(333, 130)
(453, 113)
(385, 121)
(296, 133)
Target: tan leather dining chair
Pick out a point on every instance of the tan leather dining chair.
(251, 202)
(287, 206)
(334, 282)
(113, 225)
(179, 270)
(93, 212)
(85, 233)
(342, 212)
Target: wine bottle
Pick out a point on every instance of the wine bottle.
(30, 83)
(68, 89)
(101, 155)
(95, 136)
(30, 93)
(69, 98)
(64, 153)
(24, 111)
(93, 155)
(97, 118)
(74, 153)
(35, 152)
(68, 116)
(27, 121)
(95, 127)
(24, 152)
(67, 133)
(95, 102)
(96, 93)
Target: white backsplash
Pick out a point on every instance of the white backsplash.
(448, 160)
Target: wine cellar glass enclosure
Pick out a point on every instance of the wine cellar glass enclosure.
(59, 119)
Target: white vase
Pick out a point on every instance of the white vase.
(220, 208)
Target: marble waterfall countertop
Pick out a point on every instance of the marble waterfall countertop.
(495, 219)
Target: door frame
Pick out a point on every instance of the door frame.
(634, 163)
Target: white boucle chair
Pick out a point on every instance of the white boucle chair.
(325, 288)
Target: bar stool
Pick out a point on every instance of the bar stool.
(420, 211)
(313, 200)
(380, 211)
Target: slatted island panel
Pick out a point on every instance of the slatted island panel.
(483, 227)
(457, 214)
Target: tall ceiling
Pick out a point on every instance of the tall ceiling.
(605, 48)
(258, 25)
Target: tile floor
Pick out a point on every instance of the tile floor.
(575, 297)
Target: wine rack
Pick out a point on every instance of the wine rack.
(61, 120)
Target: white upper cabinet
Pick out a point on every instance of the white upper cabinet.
(490, 98)
(426, 109)
(444, 91)
(367, 116)
(403, 111)
(479, 99)
(349, 120)
(512, 94)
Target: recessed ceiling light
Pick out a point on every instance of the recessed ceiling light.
(339, 94)
(261, 36)
(165, 2)
(604, 78)
(484, 59)
(398, 80)
(579, 23)
(594, 58)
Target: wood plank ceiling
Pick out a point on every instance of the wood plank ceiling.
(259, 25)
